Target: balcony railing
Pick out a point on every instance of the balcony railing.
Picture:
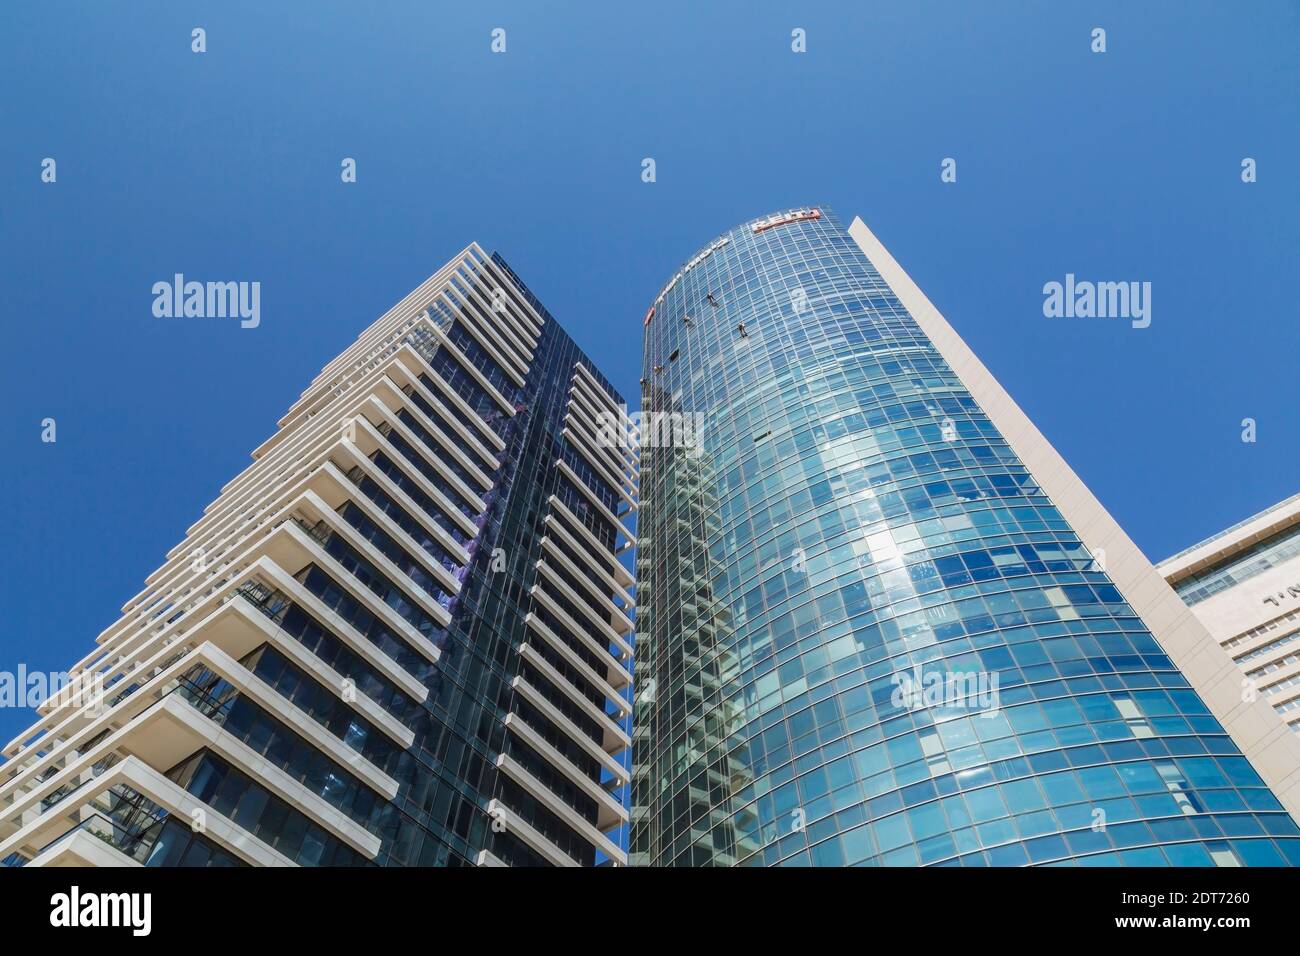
(319, 532)
(68, 788)
(270, 601)
(124, 819)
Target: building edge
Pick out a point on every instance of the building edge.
(1258, 731)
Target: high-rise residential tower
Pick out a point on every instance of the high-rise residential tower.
(401, 636)
(882, 622)
(1243, 584)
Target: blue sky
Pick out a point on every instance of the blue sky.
(225, 166)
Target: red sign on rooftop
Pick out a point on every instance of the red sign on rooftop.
(785, 218)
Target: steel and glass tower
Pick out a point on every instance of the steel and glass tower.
(401, 636)
(882, 622)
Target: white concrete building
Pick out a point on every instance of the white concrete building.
(402, 635)
(1243, 584)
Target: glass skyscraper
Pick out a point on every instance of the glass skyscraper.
(870, 631)
(401, 636)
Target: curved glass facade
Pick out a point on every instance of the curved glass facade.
(865, 635)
